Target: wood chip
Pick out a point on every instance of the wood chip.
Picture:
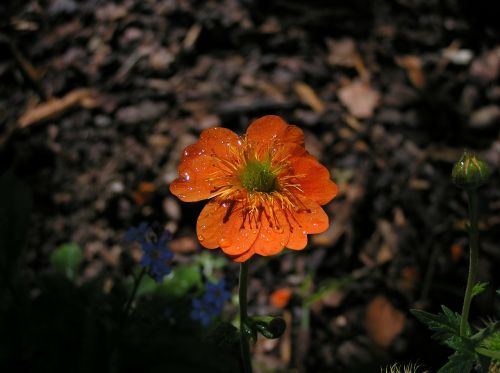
(53, 107)
(191, 37)
(309, 97)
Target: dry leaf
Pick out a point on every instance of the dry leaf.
(309, 97)
(456, 252)
(341, 52)
(144, 193)
(413, 67)
(183, 245)
(359, 98)
(53, 107)
(383, 322)
(409, 278)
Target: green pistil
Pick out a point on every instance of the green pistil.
(258, 177)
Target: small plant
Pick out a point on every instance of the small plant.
(473, 347)
(407, 368)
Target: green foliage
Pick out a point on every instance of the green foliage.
(180, 281)
(492, 342)
(459, 362)
(81, 329)
(210, 263)
(66, 259)
(446, 327)
(479, 288)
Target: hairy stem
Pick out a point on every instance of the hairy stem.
(244, 343)
(474, 253)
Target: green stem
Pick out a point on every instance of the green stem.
(245, 346)
(488, 353)
(474, 253)
(131, 298)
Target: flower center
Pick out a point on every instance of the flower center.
(258, 176)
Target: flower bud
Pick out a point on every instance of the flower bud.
(470, 172)
(270, 327)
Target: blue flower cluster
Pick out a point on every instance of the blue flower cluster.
(156, 255)
(211, 304)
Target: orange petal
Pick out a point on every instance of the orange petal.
(298, 237)
(311, 218)
(314, 179)
(198, 178)
(272, 128)
(203, 165)
(274, 233)
(209, 224)
(216, 141)
(237, 235)
(243, 257)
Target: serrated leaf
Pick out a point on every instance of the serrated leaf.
(492, 342)
(459, 362)
(490, 331)
(445, 325)
(479, 288)
(66, 259)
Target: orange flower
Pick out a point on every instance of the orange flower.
(265, 189)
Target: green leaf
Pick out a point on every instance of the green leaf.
(492, 342)
(479, 288)
(459, 362)
(211, 263)
(446, 325)
(66, 259)
(180, 281)
(491, 333)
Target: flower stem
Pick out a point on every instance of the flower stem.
(474, 252)
(137, 282)
(245, 346)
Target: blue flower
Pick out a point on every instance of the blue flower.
(201, 312)
(138, 233)
(216, 294)
(156, 255)
(211, 304)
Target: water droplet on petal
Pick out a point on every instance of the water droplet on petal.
(201, 238)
